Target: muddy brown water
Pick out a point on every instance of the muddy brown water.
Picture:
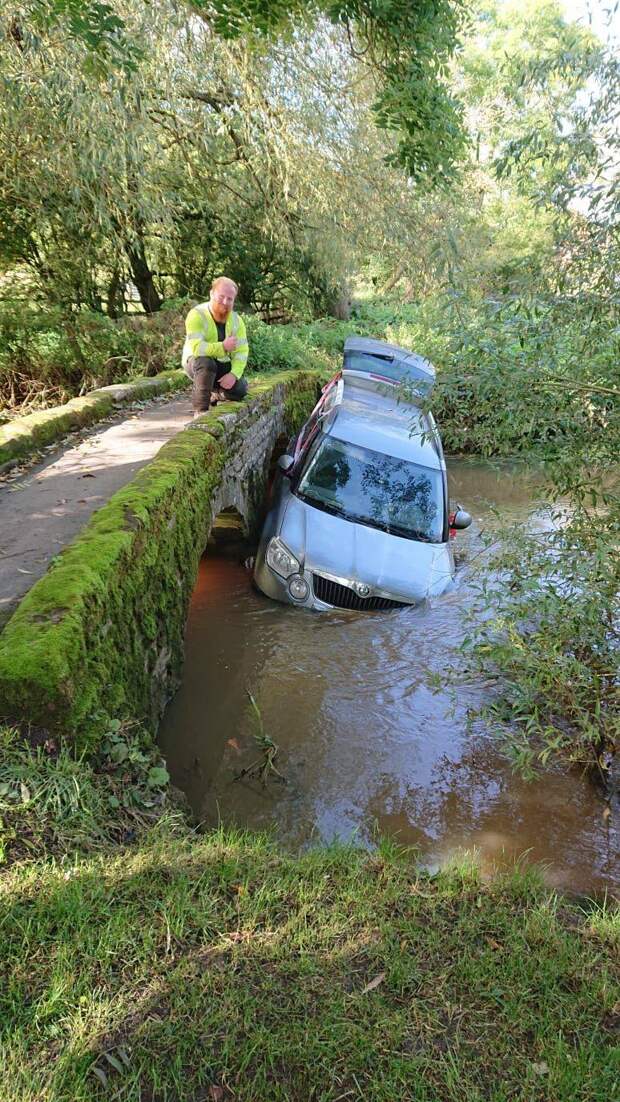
(366, 748)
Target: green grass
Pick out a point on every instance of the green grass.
(195, 967)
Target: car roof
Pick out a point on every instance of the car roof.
(405, 434)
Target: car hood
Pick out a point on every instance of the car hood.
(326, 544)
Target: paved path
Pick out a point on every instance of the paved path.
(43, 509)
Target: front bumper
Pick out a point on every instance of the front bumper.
(326, 591)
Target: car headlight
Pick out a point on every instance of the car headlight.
(298, 587)
(280, 559)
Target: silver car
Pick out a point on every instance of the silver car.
(359, 513)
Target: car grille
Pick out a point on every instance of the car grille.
(342, 596)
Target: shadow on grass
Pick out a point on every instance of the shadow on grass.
(215, 967)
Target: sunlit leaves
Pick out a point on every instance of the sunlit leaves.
(405, 47)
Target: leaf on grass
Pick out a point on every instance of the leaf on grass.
(493, 943)
(216, 1093)
(25, 792)
(114, 1062)
(540, 1069)
(373, 983)
(101, 1075)
(158, 776)
(124, 1056)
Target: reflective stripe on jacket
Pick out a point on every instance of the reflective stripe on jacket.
(201, 338)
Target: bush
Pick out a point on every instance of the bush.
(548, 632)
(47, 357)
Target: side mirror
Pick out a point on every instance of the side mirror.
(461, 520)
(285, 462)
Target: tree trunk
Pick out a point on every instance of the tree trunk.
(114, 302)
(397, 274)
(143, 276)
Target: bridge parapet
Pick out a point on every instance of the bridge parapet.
(100, 637)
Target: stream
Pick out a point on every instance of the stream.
(367, 749)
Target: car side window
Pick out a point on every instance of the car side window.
(311, 427)
(306, 435)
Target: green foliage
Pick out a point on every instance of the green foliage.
(214, 153)
(542, 378)
(287, 347)
(550, 638)
(94, 24)
(405, 47)
(47, 355)
(527, 373)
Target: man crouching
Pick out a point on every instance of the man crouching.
(216, 348)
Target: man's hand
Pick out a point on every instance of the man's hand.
(227, 382)
(230, 343)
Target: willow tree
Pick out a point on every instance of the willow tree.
(406, 46)
(137, 138)
(217, 144)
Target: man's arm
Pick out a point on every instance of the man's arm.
(239, 357)
(195, 332)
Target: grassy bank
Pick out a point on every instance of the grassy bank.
(141, 960)
(216, 967)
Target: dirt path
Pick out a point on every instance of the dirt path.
(44, 508)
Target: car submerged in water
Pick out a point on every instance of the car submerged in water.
(359, 514)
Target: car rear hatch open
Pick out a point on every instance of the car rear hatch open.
(374, 365)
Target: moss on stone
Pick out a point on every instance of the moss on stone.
(25, 435)
(101, 635)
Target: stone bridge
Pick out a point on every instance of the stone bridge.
(100, 636)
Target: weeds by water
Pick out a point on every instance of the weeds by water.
(264, 766)
(52, 801)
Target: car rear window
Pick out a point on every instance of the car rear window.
(386, 367)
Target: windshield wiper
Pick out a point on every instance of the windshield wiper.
(392, 529)
(369, 522)
(323, 505)
(408, 533)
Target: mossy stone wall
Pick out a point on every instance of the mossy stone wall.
(101, 635)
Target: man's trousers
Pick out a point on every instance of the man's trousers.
(205, 373)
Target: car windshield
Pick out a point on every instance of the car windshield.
(371, 488)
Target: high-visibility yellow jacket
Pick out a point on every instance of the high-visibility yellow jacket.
(201, 338)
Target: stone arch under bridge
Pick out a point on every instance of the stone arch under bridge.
(100, 636)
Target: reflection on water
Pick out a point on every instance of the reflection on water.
(365, 746)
